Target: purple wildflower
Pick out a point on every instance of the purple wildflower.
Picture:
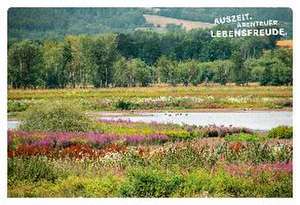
(135, 139)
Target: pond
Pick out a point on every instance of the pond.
(12, 124)
(257, 120)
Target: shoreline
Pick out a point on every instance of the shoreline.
(116, 113)
(141, 112)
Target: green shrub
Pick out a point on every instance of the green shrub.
(186, 157)
(204, 183)
(132, 158)
(242, 137)
(179, 134)
(196, 184)
(124, 105)
(281, 132)
(17, 106)
(266, 186)
(55, 116)
(283, 187)
(149, 182)
(30, 169)
(223, 184)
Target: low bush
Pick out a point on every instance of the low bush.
(149, 182)
(281, 132)
(124, 105)
(17, 105)
(187, 157)
(55, 116)
(30, 169)
(196, 184)
(179, 135)
(242, 137)
(72, 186)
(224, 185)
(77, 186)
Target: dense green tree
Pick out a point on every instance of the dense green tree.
(222, 70)
(140, 44)
(141, 72)
(53, 58)
(278, 65)
(122, 76)
(188, 72)
(274, 67)
(25, 65)
(103, 54)
(240, 73)
(167, 71)
(73, 66)
(206, 70)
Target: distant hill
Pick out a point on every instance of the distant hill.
(41, 23)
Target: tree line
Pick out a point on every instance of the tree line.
(142, 58)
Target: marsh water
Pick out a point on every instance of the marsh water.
(257, 120)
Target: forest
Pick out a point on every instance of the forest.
(142, 58)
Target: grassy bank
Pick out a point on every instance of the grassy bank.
(159, 98)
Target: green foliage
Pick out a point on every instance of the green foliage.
(24, 63)
(72, 186)
(41, 23)
(223, 184)
(166, 70)
(150, 183)
(122, 76)
(145, 45)
(31, 169)
(243, 137)
(281, 188)
(281, 132)
(55, 58)
(55, 116)
(187, 158)
(104, 61)
(188, 72)
(141, 72)
(179, 135)
(196, 184)
(274, 67)
(131, 73)
(223, 69)
(102, 54)
(124, 105)
(75, 186)
(240, 72)
(17, 106)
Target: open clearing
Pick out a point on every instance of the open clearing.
(161, 21)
